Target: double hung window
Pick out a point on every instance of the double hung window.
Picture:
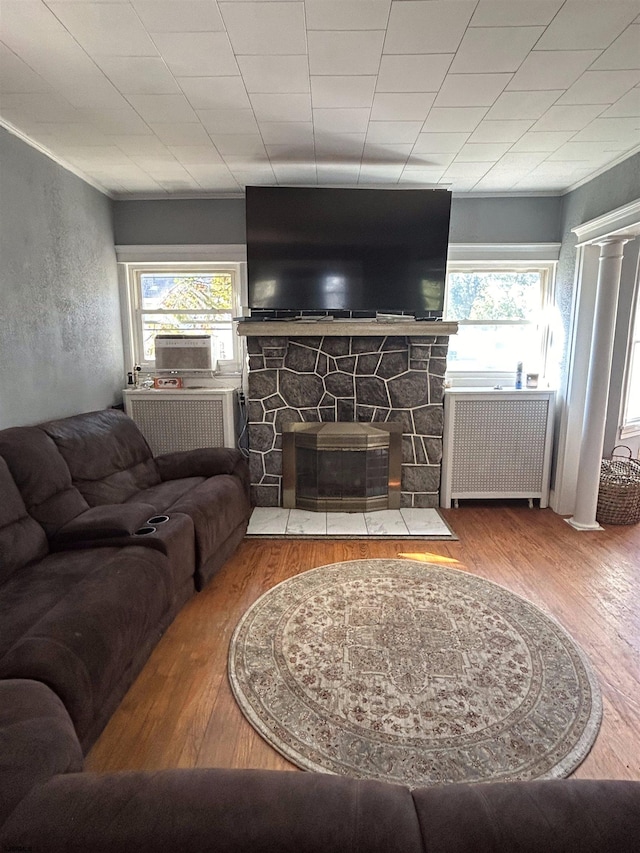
(502, 310)
(189, 299)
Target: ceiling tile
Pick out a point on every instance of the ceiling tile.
(600, 87)
(337, 174)
(336, 53)
(185, 133)
(500, 131)
(471, 90)
(241, 147)
(393, 131)
(623, 53)
(341, 120)
(424, 177)
(167, 16)
(297, 154)
(216, 176)
(514, 105)
(551, 69)
(255, 174)
(399, 106)
(347, 14)
(124, 120)
(162, 108)
(494, 49)
(345, 146)
(229, 121)
(345, 91)
(275, 74)
(543, 142)
(286, 132)
(465, 170)
(105, 155)
(293, 174)
(70, 133)
(39, 107)
(627, 106)
(379, 153)
(144, 146)
(92, 90)
(506, 13)
(215, 93)
(585, 150)
(191, 155)
(252, 27)
(434, 27)
(568, 117)
(610, 130)
(520, 161)
(17, 77)
(197, 54)
(440, 142)
(379, 173)
(105, 29)
(482, 152)
(453, 119)
(432, 160)
(136, 75)
(413, 72)
(281, 107)
(584, 24)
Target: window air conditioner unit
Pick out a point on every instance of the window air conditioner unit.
(184, 352)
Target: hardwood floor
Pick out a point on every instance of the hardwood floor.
(180, 711)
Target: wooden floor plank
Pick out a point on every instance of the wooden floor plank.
(180, 712)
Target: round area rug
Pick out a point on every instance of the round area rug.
(413, 673)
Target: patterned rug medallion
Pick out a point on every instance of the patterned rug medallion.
(415, 674)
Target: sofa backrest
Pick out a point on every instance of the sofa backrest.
(21, 537)
(106, 453)
(42, 477)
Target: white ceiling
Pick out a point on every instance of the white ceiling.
(194, 97)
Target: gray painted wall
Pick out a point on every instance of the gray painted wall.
(60, 332)
(193, 221)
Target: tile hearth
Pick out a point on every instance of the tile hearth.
(408, 523)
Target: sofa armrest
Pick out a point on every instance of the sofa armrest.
(204, 462)
(108, 521)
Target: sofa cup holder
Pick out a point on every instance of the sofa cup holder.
(158, 519)
(145, 531)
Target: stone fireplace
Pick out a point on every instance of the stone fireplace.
(348, 372)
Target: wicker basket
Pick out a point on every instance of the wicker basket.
(619, 493)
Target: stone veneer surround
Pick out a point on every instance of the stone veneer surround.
(348, 378)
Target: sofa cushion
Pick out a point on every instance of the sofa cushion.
(107, 455)
(36, 589)
(165, 495)
(42, 476)
(218, 506)
(84, 646)
(21, 537)
(37, 740)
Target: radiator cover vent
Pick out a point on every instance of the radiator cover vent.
(183, 420)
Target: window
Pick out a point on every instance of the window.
(631, 418)
(503, 317)
(183, 299)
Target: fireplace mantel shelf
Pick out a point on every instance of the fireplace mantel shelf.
(343, 328)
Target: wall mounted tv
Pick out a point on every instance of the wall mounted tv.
(346, 252)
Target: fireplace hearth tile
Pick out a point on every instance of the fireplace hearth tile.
(268, 520)
(385, 523)
(306, 523)
(424, 522)
(351, 523)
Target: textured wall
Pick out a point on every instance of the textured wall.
(60, 332)
(534, 219)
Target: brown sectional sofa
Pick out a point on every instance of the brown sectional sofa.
(83, 601)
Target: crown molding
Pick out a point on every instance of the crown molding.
(42, 149)
(621, 222)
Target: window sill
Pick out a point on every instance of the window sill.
(629, 430)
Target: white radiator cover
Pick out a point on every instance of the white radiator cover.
(497, 444)
(183, 419)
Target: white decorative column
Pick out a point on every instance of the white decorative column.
(609, 270)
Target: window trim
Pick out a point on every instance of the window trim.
(516, 259)
(132, 311)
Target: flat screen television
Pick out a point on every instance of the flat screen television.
(347, 252)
